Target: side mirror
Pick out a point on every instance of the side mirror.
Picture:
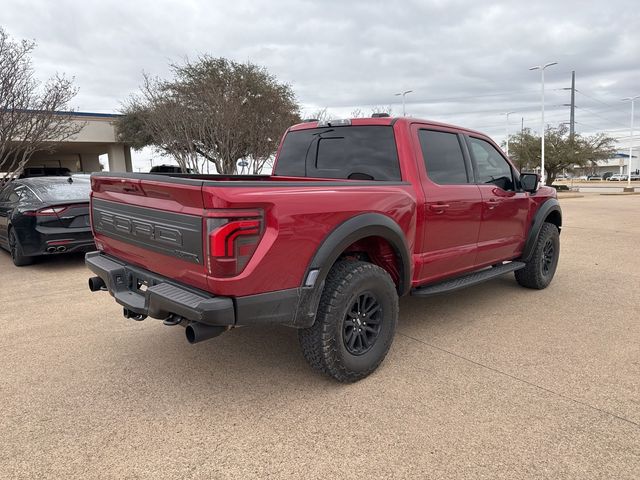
(529, 182)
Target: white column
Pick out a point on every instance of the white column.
(127, 158)
(117, 159)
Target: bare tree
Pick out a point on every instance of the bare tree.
(322, 115)
(30, 119)
(213, 109)
(359, 113)
(380, 109)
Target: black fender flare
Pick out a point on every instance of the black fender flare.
(348, 232)
(549, 206)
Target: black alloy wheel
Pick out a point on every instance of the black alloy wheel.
(362, 324)
(548, 257)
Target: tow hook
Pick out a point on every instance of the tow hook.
(173, 319)
(138, 317)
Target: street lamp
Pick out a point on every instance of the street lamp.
(507, 129)
(542, 68)
(403, 94)
(632, 100)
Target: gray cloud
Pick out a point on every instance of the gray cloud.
(466, 61)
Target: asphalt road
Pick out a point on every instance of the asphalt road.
(491, 382)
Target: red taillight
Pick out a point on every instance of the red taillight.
(46, 212)
(231, 244)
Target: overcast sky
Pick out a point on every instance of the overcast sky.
(466, 61)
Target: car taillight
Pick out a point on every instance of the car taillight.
(231, 242)
(46, 212)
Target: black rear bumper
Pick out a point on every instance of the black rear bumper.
(44, 241)
(146, 293)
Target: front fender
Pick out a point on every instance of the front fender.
(544, 211)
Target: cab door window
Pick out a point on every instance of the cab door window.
(443, 157)
(491, 167)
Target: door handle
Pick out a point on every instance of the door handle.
(438, 207)
(493, 203)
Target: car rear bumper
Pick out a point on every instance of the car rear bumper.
(44, 241)
(145, 293)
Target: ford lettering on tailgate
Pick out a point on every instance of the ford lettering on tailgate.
(174, 234)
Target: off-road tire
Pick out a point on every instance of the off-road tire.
(325, 345)
(19, 260)
(540, 269)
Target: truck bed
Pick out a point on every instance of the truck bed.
(159, 222)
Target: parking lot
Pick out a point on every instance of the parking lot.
(490, 382)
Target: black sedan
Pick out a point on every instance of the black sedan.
(45, 216)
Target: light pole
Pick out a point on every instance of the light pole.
(507, 129)
(542, 69)
(632, 100)
(403, 94)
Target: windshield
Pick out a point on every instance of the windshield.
(349, 152)
(62, 191)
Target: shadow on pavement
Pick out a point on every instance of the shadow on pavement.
(55, 262)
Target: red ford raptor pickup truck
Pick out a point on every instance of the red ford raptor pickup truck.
(356, 214)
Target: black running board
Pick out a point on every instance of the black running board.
(466, 280)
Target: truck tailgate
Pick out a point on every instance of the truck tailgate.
(150, 223)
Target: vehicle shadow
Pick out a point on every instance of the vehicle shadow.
(453, 309)
(269, 359)
(56, 262)
(237, 366)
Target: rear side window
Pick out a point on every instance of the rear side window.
(355, 152)
(25, 194)
(491, 167)
(62, 191)
(443, 157)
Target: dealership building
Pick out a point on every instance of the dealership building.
(619, 163)
(82, 152)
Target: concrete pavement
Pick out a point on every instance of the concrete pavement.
(490, 382)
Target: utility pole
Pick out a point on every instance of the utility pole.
(572, 117)
(572, 114)
(572, 106)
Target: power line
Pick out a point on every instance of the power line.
(609, 106)
(471, 112)
(468, 97)
(600, 116)
(593, 98)
(612, 131)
